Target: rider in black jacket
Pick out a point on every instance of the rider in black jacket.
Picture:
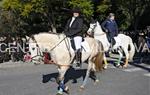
(73, 29)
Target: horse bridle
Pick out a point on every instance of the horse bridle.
(93, 28)
(92, 31)
(39, 53)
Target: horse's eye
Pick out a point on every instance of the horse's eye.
(33, 48)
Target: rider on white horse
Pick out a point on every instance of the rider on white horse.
(73, 29)
(110, 27)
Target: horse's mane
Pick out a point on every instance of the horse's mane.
(99, 27)
(47, 33)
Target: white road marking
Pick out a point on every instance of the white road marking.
(132, 69)
(148, 74)
(135, 69)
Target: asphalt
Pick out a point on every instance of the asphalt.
(28, 79)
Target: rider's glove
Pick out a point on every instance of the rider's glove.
(106, 30)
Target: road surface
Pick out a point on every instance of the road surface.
(29, 79)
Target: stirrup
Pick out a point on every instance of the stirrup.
(78, 65)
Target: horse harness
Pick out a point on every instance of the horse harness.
(92, 34)
(39, 53)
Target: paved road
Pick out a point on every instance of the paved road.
(39, 80)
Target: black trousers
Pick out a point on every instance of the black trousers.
(110, 37)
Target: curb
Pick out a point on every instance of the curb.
(15, 64)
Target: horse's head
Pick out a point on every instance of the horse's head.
(33, 48)
(95, 28)
(92, 27)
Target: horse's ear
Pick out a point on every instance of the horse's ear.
(97, 22)
(93, 20)
(27, 37)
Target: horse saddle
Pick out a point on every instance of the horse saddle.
(117, 42)
(84, 45)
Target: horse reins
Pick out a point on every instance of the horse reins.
(39, 47)
(93, 31)
(58, 43)
(38, 51)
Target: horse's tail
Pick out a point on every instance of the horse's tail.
(132, 50)
(98, 60)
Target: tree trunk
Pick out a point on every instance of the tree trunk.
(53, 29)
(136, 22)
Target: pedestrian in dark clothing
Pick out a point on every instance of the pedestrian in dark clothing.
(148, 31)
(73, 29)
(110, 27)
(148, 36)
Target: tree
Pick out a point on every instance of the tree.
(13, 14)
(86, 6)
(38, 15)
(33, 16)
(103, 8)
(131, 10)
(9, 22)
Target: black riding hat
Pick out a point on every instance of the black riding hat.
(76, 10)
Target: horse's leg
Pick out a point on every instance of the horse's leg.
(105, 62)
(94, 75)
(96, 78)
(87, 75)
(61, 88)
(127, 58)
(120, 57)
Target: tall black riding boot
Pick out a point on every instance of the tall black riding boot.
(110, 48)
(78, 58)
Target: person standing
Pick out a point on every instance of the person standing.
(110, 27)
(73, 29)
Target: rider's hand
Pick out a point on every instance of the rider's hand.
(106, 30)
(116, 34)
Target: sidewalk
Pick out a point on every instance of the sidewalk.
(11, 64)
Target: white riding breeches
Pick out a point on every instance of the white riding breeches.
(77, 41)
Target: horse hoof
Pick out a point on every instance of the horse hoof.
(96, 81)
(82, 88)
(118, 66)
(124, 66)
(67, 90)
(59, 94)
(105, 67)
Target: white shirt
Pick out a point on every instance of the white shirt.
(72, 20)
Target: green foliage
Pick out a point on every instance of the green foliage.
(42, 15)
(11, 4)
(24, 8)
(21, 13)
(103, 8)
(132, 10)
(9, 22)
(86, 6)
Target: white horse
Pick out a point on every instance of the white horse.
(62, 54)
(123, 42)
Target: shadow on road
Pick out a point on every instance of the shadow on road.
(71, 74)
(140, 66)
(49, 77)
